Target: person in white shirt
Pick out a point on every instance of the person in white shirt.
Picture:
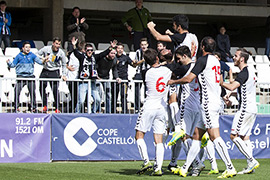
(245, 117)
(207, 70)
(154, 111)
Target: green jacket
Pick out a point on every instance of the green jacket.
(134, 21)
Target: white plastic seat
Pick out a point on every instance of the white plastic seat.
(34, 50)
(233, 50)
(260, 51)
(12, 51)
(103, 46)
(126, 48)
(39, 44)
(132, 55)
(261, 59)
(233, 68)
(49, 43)
(251, 60)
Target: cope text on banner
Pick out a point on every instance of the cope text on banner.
(111, 137)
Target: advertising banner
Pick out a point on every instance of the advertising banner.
(24, 138)
(111, 137)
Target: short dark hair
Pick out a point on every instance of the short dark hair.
(56, 39)
(181, 20)
(165, 57)
(26, 42)
(244, 53)
(209, 44)
(88, 45)
(183, 50)
(3, 2)
(150, 56)
(162, 42)
(76, 7)
(143, 39)
(120, 44)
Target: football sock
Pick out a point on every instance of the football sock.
(192, 153)
(211, 154)
(174, 109)
(143, 150)
(159, 156)
(175, 152)
(243, 148)
(223, 152)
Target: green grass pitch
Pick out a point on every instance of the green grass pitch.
(123, 170)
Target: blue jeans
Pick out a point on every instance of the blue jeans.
(6, 40)
(267, 46)
(83, 90)
(107, 91)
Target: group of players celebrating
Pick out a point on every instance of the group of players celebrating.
(191, 109)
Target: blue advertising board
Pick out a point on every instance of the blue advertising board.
(111, 137)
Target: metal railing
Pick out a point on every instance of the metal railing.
(100, 96)
(76, 96)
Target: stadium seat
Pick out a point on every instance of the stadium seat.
(39, 44)
(103, 46)
(34, 50)
(261, 59)
(252, 50)
(251, 60)
(234, 68)
(65, 44)
(233, 50)
(126, 48)
(49, 43)
(261, 51)
(132, 55)
(12, 51)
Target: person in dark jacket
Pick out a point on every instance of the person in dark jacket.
(88, 70)
(223, 45)
(104, 65)
(76, 27)
(122, 67)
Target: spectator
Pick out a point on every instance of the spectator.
(105, 64)
(88, 70)
(51, 69)
(161, 45)
(24, 64)
(72, 74)
(122, 67)
(138, 17)
(140, 71)
(267, 40)
(76, 27)
(5, 22)
(223, 45)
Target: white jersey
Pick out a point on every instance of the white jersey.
(190, 92)
(207, 69)
(188, 41)
(157, 90)
(247, 90)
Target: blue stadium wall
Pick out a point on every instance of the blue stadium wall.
(56, 137)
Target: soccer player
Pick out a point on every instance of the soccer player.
(154, 111)
(180, 38)
(207, 70)
(245, 117)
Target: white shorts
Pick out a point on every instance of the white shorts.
(190, 119)
(210, 119)
(243, 123)
(155, 118)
